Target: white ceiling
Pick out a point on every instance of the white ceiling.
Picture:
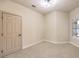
(62, 5)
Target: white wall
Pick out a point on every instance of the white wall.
(50, 27)
(32, 22)
(74, 14)
(57, 27)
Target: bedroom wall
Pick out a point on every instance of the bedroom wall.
(32, 22)
(57, 27)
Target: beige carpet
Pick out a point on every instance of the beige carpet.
(48, 50)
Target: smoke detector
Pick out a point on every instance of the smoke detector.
(33, 6)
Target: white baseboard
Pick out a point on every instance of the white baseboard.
(74, 44)
(42, 41)
(32, 44)
(57, 42)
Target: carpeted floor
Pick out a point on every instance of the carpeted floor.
(48, 50)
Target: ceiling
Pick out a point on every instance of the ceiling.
(62, 5)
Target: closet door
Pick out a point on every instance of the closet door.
(12, 33)
(1, 35)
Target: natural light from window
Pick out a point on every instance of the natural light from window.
(77, 28)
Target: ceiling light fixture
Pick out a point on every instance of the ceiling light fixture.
(47, 3)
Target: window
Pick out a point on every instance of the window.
(75, 28)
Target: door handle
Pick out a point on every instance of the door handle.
(20, 35)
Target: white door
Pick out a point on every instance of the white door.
(1, 35)
(12, 33)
